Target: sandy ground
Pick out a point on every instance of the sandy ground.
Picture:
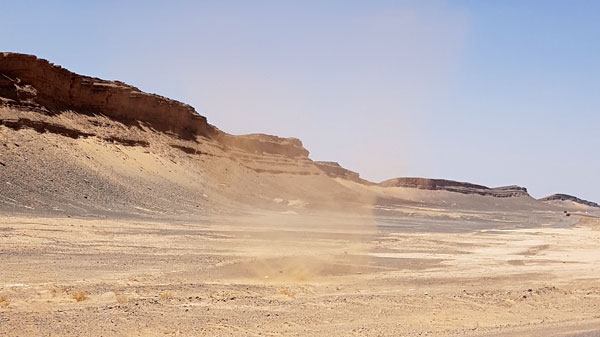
(284, 274)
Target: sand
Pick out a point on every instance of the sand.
(297, 275)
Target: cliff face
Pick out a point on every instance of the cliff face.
(566, 197)
(38, 85)
(65, 114)
(335, 170)
(73, 144)
(260, 143)
(456, 186)
(28, 80)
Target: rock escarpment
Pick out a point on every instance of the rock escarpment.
(456, 186)
(566, 197)
(261, 143)
(31, 83)
(335, 170)
(39, 97)
(28, 80)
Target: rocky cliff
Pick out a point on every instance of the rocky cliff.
(261, 143)
(64, 133)
(335, 170)
(456, 186)
(47, 89)
(28, 80)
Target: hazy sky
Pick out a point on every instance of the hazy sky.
(490, 92)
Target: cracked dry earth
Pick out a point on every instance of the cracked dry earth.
(310, 275)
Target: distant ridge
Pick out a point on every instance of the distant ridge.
(566, 197)
(456, 186)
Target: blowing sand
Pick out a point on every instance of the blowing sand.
(276, 274)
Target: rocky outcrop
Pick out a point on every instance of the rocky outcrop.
(507, 191)
(34, 91)
(261, 143)
(430, 184)
(36, 84)
(456, 186)
(335, 170)
(566, 197)
(29, 81)
(43, 127)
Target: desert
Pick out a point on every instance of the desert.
(127, 214)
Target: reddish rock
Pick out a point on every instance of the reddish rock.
(335, 170)
(28, 80)
(31, 82)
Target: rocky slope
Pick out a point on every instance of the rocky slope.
(30, 81)
(335, 170)
(566, 197)
(80, 145)
(73, 144)
(455, 186)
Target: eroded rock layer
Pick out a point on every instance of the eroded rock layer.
(335, 170)
(75, 144)
(456, 186)
(38, 85)
(566, 197)
(28, 80)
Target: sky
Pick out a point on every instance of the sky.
(490, 92)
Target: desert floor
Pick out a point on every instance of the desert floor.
(299, 275)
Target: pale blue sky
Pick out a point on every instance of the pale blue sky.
(491, 92)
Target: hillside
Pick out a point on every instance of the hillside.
(569, 198)
(78, 145)
(125, 213)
